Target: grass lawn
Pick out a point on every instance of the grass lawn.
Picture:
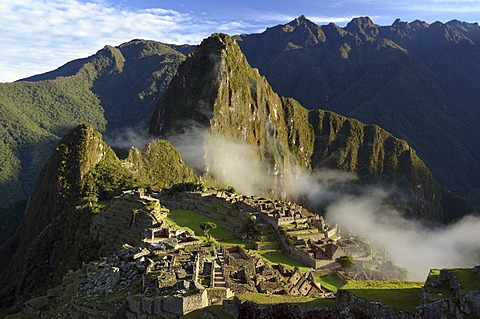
(467, 278)
(439, 292)
(192, 220)
(332, 283)
(276, 256)
(403, 295)
(306, 302)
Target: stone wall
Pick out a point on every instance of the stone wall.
(304, 257)
(124, 222)
(461, 302)
(250, 310)
(218, 294)
(349, 304)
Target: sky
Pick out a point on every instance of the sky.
(37, 36)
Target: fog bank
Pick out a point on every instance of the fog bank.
(414, 245)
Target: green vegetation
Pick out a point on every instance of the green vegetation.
(215, 310)
(397, 294)
(467, 278)
(441, 290)
(330, 282)
(307, 302)
(192, 220)
(206, 227)
(80, 177)
(345, 261)
(310, 139)
(119, 86)
(288, 239)
(162, 165)
(425, 92)
(277, 256)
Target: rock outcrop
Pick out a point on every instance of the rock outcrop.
(216, 89)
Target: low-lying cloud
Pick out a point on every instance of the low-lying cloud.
(125, 138)
(414, 245)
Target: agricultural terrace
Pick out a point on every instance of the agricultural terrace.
(403, 295)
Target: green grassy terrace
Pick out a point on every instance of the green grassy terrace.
(403, 295)
(192, 220)
(330, 282)
(274, 257)
(308, 302)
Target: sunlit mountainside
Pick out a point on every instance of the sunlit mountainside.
(306, 171)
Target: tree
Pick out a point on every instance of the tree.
(345, 261)
(206, 226)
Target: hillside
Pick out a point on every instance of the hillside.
(234, 102)
(418, 81)
(114, 90)
(81, 174)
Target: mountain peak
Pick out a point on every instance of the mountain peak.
(362, 21)
(362, 25)
(199, 75)
(302, 18)
(404, 25)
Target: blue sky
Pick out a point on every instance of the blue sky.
(40, 35)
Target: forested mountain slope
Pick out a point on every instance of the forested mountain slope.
(418, 81)
(115, 89)
(215, 88)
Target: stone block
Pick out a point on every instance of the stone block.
(173, 305)
(157, 306)
(147, 305)
(134, 305)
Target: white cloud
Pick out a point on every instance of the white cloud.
(414, 246)
(40, 35)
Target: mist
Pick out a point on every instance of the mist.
(414, 245)
(232, 163)
(128, 137)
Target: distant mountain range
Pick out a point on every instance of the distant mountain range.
(417, 81)
(421, 82)
(217, 90)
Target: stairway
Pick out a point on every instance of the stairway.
(219, 280)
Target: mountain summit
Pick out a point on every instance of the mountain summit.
(217, 89)
(417, 80)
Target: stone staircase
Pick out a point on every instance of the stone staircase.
(219, 280)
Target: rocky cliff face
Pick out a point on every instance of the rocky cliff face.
(217, 89)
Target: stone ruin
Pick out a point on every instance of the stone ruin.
(246, 272)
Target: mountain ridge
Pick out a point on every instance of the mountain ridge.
(236, 102)
(413, 71)
(115, 90)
